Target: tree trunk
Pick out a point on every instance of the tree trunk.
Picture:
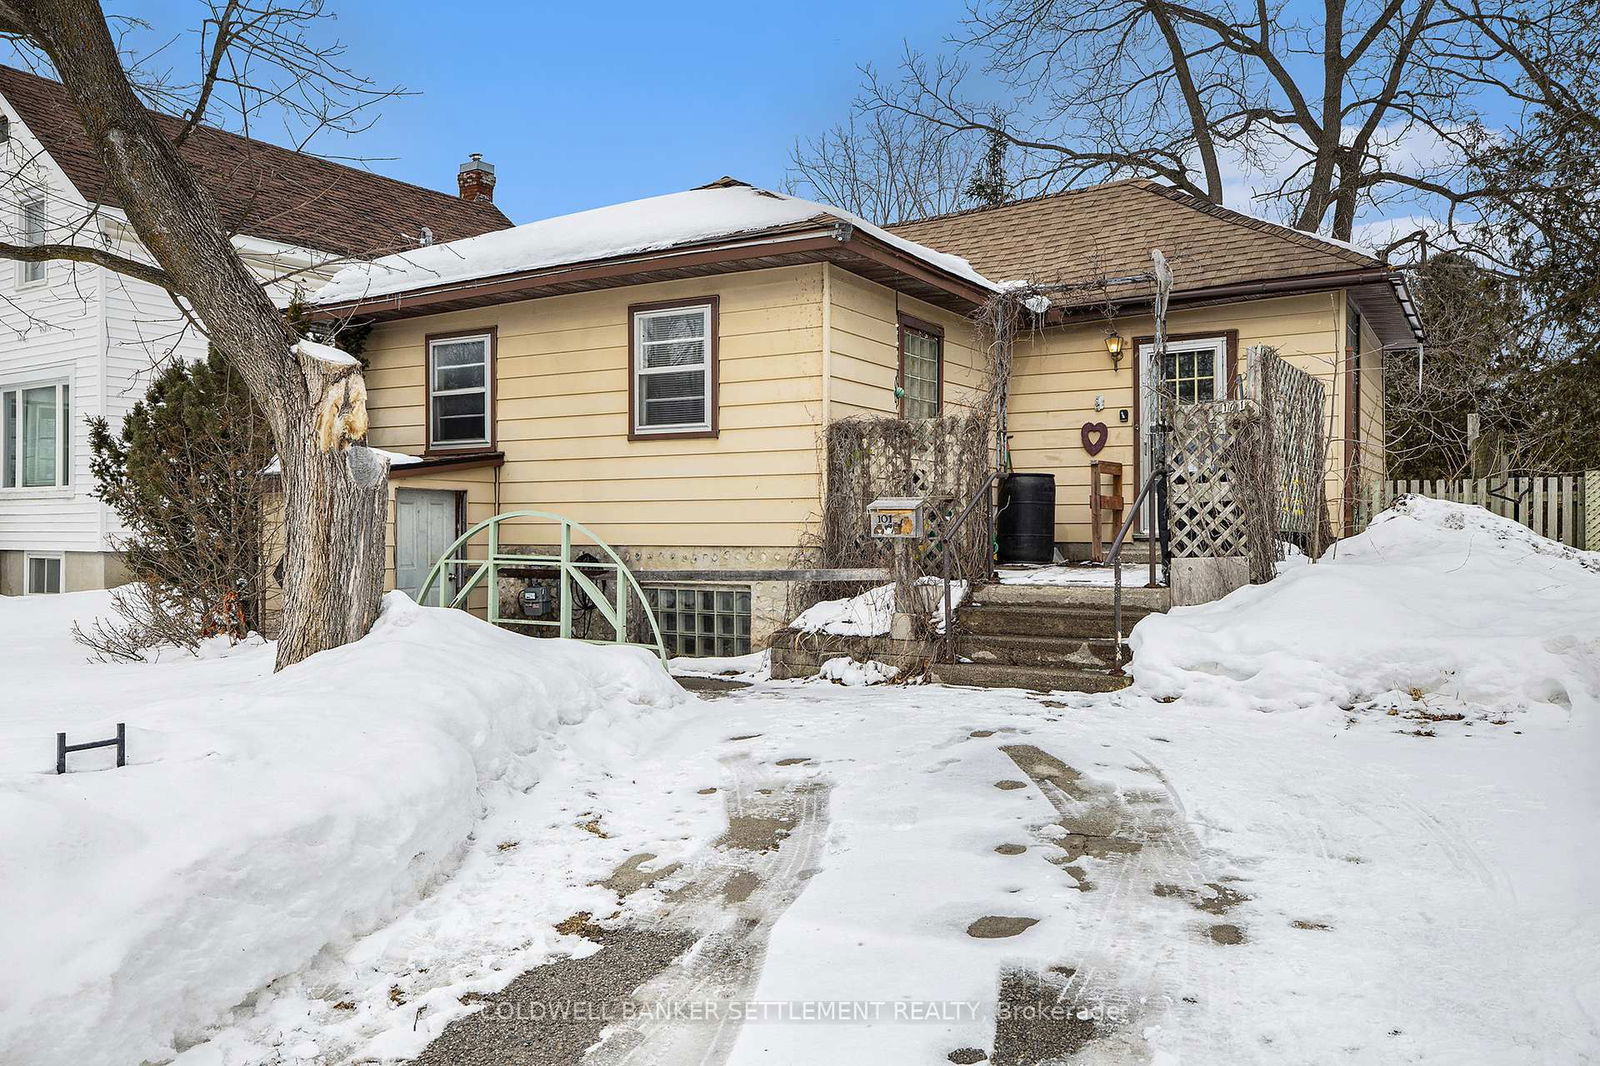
(335, 488)
(335, 507)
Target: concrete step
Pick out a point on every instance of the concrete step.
(1068, 653)
(1036, 620)
(1158, 599)
(1037, 678)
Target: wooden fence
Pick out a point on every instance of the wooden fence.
(1563, 507)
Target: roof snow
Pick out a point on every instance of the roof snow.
(721, 211)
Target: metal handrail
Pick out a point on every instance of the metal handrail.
(1114, 558)
(571, 573)
(948, 636)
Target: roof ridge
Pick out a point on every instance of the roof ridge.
(316, 160)
(981, 208)
(1239, 218)
(259, 188)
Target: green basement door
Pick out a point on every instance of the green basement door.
(426, 523)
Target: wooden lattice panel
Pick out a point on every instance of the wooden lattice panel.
(1202, 509)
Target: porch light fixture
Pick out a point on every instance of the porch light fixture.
(1114, 348)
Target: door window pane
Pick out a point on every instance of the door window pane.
(1191, 374)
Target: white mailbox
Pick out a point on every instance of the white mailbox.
(897, 517)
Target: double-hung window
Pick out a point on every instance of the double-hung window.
(460, 388)
(674, 369)
(36, 424)
(34, 225)
(921, 368)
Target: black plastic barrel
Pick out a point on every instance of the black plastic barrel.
(1025, 528)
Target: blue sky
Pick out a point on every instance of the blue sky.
(583, 104)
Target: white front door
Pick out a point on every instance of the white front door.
(1195, 370)
(426, 523)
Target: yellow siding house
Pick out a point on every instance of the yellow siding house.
(663, 371)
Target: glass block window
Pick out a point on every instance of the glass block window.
(701, 621)
(921, 353)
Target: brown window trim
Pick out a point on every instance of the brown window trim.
(429, 448)
(904, 322)
(714, 358)
(1231, 384)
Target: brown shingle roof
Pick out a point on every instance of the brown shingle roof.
(1108, 231)
(260, 189)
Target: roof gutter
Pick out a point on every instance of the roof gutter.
(1279, 287)
(769, 243)
(819, 234)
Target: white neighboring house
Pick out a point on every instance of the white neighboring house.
(78, 340)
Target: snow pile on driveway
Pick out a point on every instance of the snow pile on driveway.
(1438, 607)
(262, 818)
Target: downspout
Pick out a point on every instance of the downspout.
(827, 372)
(103, 371)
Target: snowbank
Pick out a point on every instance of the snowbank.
(1438, 607)
(870, 613)
(262, 817)
(844, 670)
(653, 224)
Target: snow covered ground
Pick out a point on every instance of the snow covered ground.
(261, 819)
(1280, 846)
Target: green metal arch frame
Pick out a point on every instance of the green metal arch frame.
(571, 574)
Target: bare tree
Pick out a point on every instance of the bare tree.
(886, 167)
(1353, 104)
(255, 56)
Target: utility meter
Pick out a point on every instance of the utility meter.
(535, 601)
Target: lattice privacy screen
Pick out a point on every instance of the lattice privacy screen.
(943, 460)
(1245, 474)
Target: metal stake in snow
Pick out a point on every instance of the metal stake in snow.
(120, 742)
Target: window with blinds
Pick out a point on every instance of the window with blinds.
(458, 391)
(672, 378)
(921, 356)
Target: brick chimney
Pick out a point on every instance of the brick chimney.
(475, 179)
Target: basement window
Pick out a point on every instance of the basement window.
(41, 574)
(700, 621)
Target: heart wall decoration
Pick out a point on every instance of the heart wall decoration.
(1094, 436)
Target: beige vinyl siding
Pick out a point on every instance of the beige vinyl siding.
(478, 485)
(562, 382)
(1058, 374)
(1373, 423)
(865, 356)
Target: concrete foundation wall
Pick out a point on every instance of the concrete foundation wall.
(80, 571)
